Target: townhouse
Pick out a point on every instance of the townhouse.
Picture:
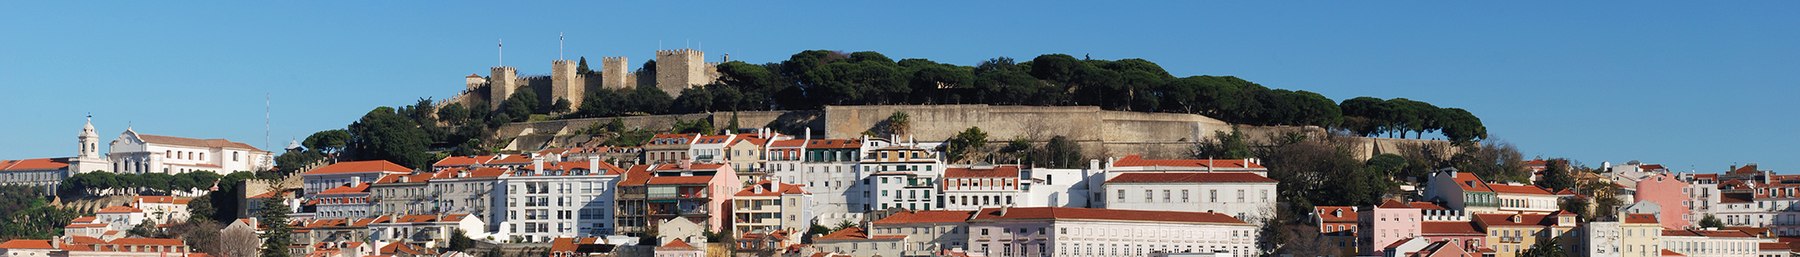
(769, 206)
(1047, 231)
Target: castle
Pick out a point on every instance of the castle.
(674, 71)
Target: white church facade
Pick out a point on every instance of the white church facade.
(138, 153)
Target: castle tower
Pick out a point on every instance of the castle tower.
(679, 69)
(613, 74)
(502, 81)
(88, 159)
(567, 84)
(474, 81)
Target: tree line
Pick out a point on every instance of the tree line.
(814, 78)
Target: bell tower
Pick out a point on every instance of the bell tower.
(89, 158)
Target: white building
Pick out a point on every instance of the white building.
(784, 160)
(1515, 198)
(710, 149)
(771, 206)
(840, 189)
(45, 173)
(1045, 187)
(1244, 195)
(347, 173)
(563, 199)
(968, 188)
(164, 209)
(1106, 232)
(926, 232)
(120, 218)
(138, 153)
(1710, 243)
(347, 201)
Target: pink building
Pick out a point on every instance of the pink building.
(1386, 224)
(1667, 192)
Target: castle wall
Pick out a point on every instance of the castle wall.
(682, 68)
(502, 82)
(614, 73)
(566, 84)
(1100, 133)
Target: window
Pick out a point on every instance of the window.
(1148, 196)
(1184, 195)
(1212, 195)
(1121, 195)
(1165, 195)
(1240, 195)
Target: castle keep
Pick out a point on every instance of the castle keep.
(675, 70)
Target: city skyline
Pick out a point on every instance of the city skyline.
(1613, 82)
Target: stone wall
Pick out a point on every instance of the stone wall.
(1099, 132)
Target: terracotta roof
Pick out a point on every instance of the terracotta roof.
(1335, 214)
(850, 233)
(34, 164)
(86, 240)
(1426, 206)
(1746, 169)
(1139, 161)
(1448, 228)
(566, 244)
(713, 139)
(636, 176)
(751, 140)
(1723, 233)
(1103, 214)
(511, 160)
(357, 189)
(1748, 230)
(86, 225)
(401, 247)
(169, 140)
(164, 199)
(1519, 189)
(767, 191)
(147, 241)
(692, 166)
(1636, 218)
(788, 143)
(1502, 219)
(83, 219)
(671, 139)
(26, 244)
(927, 216)
(455, 161)
(1391, 203)
(360, 167)
(410, 178)
(1667, 252)
(835, 144)
(606, 168)
(119, 209)
(1770, 246)
(483, 172)
(677, 244)
(1001, 171)
(1191, 177)
(1471, 182)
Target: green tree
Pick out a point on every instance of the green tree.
(1060, 153)
(1224, 146)
(201, 209)
(384, 135)
(460, 241)
(966, 144)
(1557, 175)
(276, 235)
(328, 141)
(561, 105)
(1546, 247)
(1711, 222)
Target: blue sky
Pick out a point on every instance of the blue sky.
(1694, 85)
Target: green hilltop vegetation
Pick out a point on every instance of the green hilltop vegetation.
(811, 79)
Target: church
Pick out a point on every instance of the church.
(138, 153)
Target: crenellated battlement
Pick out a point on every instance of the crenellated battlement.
(677, 69)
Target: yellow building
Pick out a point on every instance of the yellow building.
(1509, 234)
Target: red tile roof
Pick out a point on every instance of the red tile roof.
(456, 161)
(636, 176)
(835, 144)
(1772, 246)
(511, 160)
(1191, 177)
(788, 143)
(1519, 189)
(1426, 206)
(691, 166)
(928, 216)
(1667, 252)
(483, 172)
(1002, 171)
(1060, 213)
(164, 199)
(1139, 161)
(147, 241)
(855, 233)
(1448, 228)
(1502, 219)
(169, 140)
(26, 244)
(1471, 182)
(84, 219)
(1635, 218)
(119, 209)
(33, 164)
(1336, 214)
(360, 167)
(361, 188)
(676, 244)
(410, 178)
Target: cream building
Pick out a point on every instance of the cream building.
(1053, 231)
(1638, 235)
(1710, 243)
(1244, 195)
(766, 207)
(561, 199)
(133, 152)
(926, 232)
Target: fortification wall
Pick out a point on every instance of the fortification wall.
(1101, 133)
